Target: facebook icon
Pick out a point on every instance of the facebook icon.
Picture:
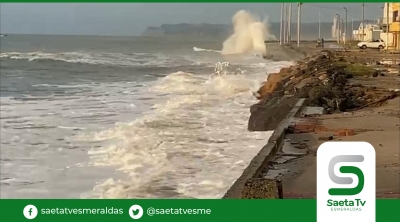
(30, 212)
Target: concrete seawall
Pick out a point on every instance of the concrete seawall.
(313, 102)
(251, 183)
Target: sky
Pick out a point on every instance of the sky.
(126, 19)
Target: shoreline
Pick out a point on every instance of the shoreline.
(286, 166)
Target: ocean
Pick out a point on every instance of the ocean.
(125, 117)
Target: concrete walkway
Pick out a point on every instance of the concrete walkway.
(378, 126)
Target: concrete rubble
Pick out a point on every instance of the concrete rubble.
(325, 79)
(319, 99)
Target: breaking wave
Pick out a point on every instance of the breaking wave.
(106, 59)
(183, 135)
(195, 132)
(205, 50)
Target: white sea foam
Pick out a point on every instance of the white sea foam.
(190, 140)
(108, 59)
(194, 142)
(182, 135)
(205, 50)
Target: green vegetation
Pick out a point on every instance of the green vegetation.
(356, 69)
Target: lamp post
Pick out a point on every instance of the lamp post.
(289, 24)
(298, 23)
(363, 27)
(281, 30)
(338, 28)
(387, 26)
(352, 27)
(284, 22)
(345, 25)
(319, 25)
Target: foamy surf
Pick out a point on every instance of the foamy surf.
(97, 116)
(205, 50)
(195, 134)
(106, 59)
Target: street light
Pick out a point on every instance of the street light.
(319, 25)
(387, 25)
(352, 28)
(280, 33)
(363, 25)
(345, 26)
(298, 22)
(338, 27)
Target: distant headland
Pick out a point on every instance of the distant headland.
(308, 30)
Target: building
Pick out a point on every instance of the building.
(371, 31)
(392, 9)
(390, 25)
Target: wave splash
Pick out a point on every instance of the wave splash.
(190, 137)
(249, 35)
(196, 49)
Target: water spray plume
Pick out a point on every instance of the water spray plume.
(249, 35)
